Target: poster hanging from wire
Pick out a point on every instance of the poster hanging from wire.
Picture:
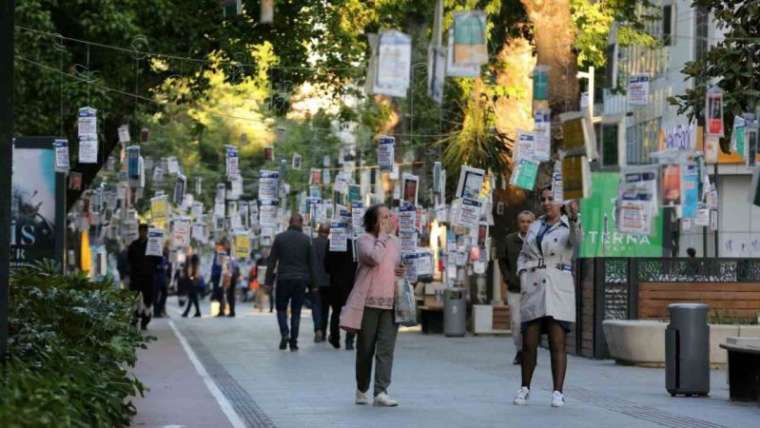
(458, 70)
(338, 237)
(470, 182)
(386, 152)
(470, 47)
(232, 161)
(525, 174)
(393, 64)
(61, 147)
(638, 90)
(268, 181)
(155, 245)
(714, 111)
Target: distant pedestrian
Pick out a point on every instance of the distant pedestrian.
(508, 264)
(161, 279)
(217, 293)
(369, 310)
(548, 290)
(341, 267)
(291, 259)
(192, 283)
(141, 270)
(230, 279)
(322, 279)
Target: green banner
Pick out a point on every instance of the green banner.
(598, 216)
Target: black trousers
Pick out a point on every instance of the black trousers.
(331, 304)
(192, 296)
(229, 293)
(161, 293)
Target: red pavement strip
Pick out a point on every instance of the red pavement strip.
(181, 392)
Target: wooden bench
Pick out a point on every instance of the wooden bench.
(731, 300)
(743, 368)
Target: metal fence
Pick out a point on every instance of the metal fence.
(616, 281)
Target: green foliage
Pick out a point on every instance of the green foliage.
(731, 64)
(70, 348)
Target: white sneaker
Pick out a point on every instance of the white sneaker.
(384, 400)
(522, 396)
(558, 399)
(361, 398)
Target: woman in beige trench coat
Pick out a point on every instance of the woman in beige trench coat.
(548, 290)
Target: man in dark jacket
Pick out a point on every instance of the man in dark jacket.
(341, 267)
(322, 279)
(508, 265)
(141, 269)
(292, 258)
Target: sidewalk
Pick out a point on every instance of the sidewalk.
(177, 394)
(441, 382)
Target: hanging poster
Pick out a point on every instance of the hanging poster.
(470, 182)
(681, 138)
(236, 188)
(268, 212)
(88, 123)
(232, 161)
(639, 184)
(576, 174)
(712, 148)
(738, 137)
(253, 213)
(541, 83)
(438, 178)
(525, 174)
(715, 112)
(172, 165)
(357, 217)
(470, 33)
(408, 242)
(407, 217)
(578, 136)
(690, 191)
(159, 211)
(385, 152)
(269, 153)
(458, 70)
(558, 193)
(123, 132)
(296, 161)
(179, 189)
(410, 185)
(526, 145)
(638, 90)
(633, 217)
(155, 244)
(393, 64)
(354, 193)
(242, 244)
(671, 185)
(181, 232)
(338, 237)
(703, 216)
(543, 135)
(268, 181)
(315, 177)
(88, 149)
(469, 213)
(37, 208)
(133, 165)
(198, 232)
(61, 147)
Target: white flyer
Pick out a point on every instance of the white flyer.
(61, 155)
(408, 241)
(543, 131)
(638, 90)
(407, 217)
(268, 212)
(703, 217)
(232, 161)
(181, 232)
(88, 123)
(88, 149)
(633, 217)
(386, 152)
(172, 165)
(470, 182)
(357, 217)
(124, 134)
(526, 142)
(268, 184)
(155, 244)
(338, 237)
(469, 213)
(393, 64)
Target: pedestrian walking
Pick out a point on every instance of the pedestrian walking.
(291, 259)
(341, 268)
(548, 290)
(161, 279)
(141, 270)
(508, 264)
(230, 279)
(369, 309)
(322, 279)
(192, 283)
(217, 294)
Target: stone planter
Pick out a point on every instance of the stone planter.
(642, 342)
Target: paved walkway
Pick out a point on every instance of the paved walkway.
(440, 382)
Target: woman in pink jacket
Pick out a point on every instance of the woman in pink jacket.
(369, 309)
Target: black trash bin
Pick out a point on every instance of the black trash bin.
(687, 350)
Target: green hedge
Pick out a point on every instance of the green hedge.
(71, 345)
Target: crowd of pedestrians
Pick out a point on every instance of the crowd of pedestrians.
(354, 290)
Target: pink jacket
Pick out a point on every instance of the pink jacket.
(375, 283)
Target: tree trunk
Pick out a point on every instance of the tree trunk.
(554, 36)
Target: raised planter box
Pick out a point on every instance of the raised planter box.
(642, 342)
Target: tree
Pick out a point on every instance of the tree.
(730, 64)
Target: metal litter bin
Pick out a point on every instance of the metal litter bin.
(454, 312)
(687, 350)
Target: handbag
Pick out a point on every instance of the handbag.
(405, 307)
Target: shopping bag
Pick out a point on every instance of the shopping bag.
(405, 307)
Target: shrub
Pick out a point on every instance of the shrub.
(71, 344)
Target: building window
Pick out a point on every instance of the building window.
(668, 25)
(641, 140)
(702, 26)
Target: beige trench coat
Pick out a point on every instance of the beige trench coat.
(546, 278)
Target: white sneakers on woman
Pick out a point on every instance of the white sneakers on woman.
(521, 399)
(384, 400)
(361, 398)
(558, 399)
(522, 396)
